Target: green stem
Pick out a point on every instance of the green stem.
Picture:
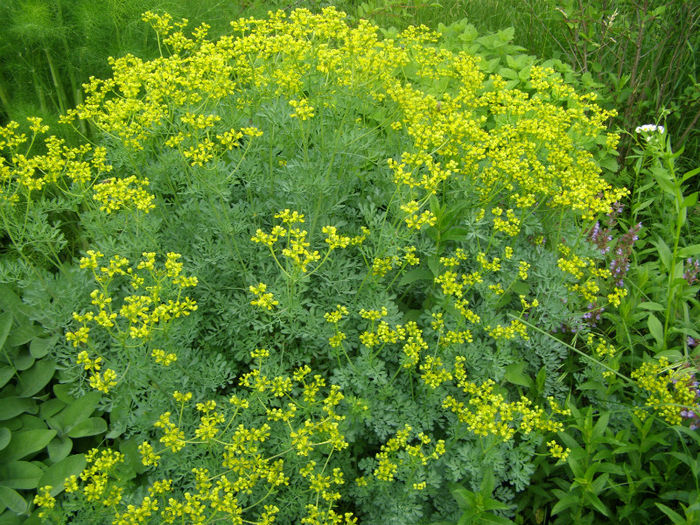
(670, 295)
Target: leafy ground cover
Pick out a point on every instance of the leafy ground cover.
(312, 270)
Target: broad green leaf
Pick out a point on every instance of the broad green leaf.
(26, 442)
(77, 411)
(9, 301)
(30, 422)
(656, 329)
(12, 500)
(457, 233)
(514, 374)
(24, 333)
(20, 475)
(10, 518)
(51, 407)
(59, 448)
(132, 457)
(676, 518)
(5, 435)
(40, 346)
(468, 518)
(13, 406)
(5, 326)
(664, 253)
(508, 73)
(568, 500)
(689, 251)
(464, 498)
(37, 377)
(62, 392)
(6, 373)
(540, 380)
(610, 164)
(487, 484)
(599, 505)
(690, 200)
(650, 305)
(691, 173)
(89, 427)
(663, 180)
(601, 425)
(23, 360)
(56, 474)
(496, 520)
(419, 274)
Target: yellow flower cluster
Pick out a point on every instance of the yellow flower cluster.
(571, 263)
(414, 220)
(557, 451)
(302, 109)
(509, 331)
(488, 413)
(44, 500)
(139, 316)
(601, 347)
(114, 194)
(668, 393)
(59, 166)
(449, 132)
(397, 452)
(297, 247)
(383, 265)
(510, 225)
(144, 313)
(433, 373)
(262, 299)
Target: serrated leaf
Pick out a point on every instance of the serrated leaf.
(11, 499)
(26, 442)
(13, 406)
(37, 377)
(20, 475)
(56, 474)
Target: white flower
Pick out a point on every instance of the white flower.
(650, 128)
